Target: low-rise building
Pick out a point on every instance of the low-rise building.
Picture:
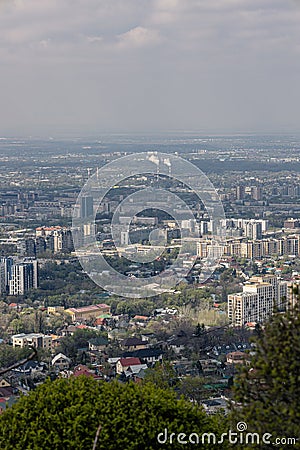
(147, 355)
(88, 312)
(55, 309)
(36, 340)
(129, 366)
(134, 343)
(98, 344)
(215, 405)
(236, 357)
(61, 362)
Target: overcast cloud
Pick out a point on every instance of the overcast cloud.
(86, 66)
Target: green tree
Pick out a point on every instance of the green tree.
(69, 345)
(39, 322)
(268, 390)
(193, 388)
(16, 325)
(10, 355)
(163, 375)
(65, 415)
(200, 329)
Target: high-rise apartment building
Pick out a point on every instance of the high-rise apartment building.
(5, 273)
(86, 207)
(253, 229)
(24, 276)
(256, 192)
(240, 192)
(260, 296)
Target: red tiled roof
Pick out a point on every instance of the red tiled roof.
(126, 362)
(84, 308)
(99, 321)
(83, 370)
(89, 308)
(140, 318)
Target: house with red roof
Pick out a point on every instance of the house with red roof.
(139, 321)
(129, 366)
(13, 305)
(84, 370)
(99, 322)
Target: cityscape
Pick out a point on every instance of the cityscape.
(203, 331)
(149, 224)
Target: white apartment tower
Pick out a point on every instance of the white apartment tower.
(260, 296)
(24, 276)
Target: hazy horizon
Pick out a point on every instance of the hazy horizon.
(92, 67)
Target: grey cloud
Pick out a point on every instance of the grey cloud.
(149, 64)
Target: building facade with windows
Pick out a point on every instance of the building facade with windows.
(23, 276)
(260, 297)
(36, 340)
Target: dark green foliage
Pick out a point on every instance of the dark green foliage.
(200, 329)
(269, 389)
(10, 355)
(61, 285)
(193, 388)
(65, 414)
(69, 345)
(162, 375)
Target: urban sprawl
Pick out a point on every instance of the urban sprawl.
(77, 328)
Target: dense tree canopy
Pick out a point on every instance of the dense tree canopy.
(269, 388)
(66, 414)
(162, 375)
(69, 345)
(10, 355)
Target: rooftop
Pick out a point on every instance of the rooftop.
(89, 308)
(126, 362)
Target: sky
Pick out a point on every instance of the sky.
(141, 66)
